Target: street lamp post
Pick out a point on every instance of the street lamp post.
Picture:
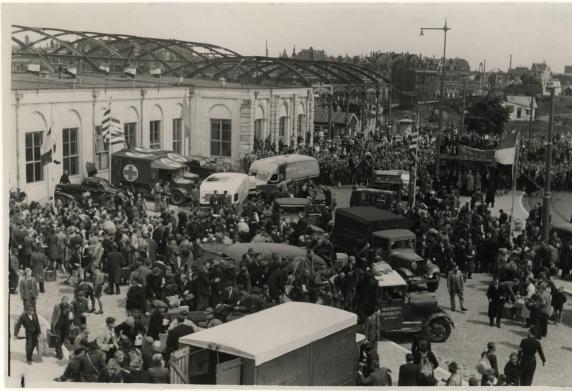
(547, 199)
(445, 28)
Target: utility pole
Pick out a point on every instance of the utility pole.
(547, 199)
(531, 111)
(463, 108)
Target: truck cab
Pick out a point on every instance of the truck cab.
(397, 247)
(394, 180)
(382, 199)
(400, 311)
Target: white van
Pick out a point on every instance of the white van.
(277, 169)
(236, 185)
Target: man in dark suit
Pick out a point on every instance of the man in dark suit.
(497, 298)
(38, 262)
(61, 324)
(408, 372)
(29, 320)
(179, 331)
(28, 289)
(114, 261)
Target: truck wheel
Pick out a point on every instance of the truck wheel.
(440, 330)
(433, 286)
(177, 198)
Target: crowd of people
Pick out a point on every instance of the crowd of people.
(531, 164)
(164, 257)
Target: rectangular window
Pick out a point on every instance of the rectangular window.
(177, 135)
(282, 129)
(101, 150)
(221, 137)
(34, 169)
(155, 134)
(258, 129)
(70, 150)
(130, 129)
(518, 113)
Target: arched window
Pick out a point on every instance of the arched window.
(101, 147)
(178, 130)
(259, 123)
(70, 143)
(155, 127)
(221, 131)
(33, 146)
(283, 124)
(130, 127)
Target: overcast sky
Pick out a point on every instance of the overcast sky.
(491, 32)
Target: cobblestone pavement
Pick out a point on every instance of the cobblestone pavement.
(472, 332)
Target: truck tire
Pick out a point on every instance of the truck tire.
(177, 198)
(433, 286)
(440, 330)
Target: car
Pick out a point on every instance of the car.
(201, 166)
(399, 310)
(98, 189)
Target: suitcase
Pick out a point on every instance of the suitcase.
(125, 273)
(52, 340)
(50, 275)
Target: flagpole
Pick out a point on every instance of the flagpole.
(514, 171)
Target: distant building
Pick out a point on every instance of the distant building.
(568, 69)
(419, 79)
(311, 54)
(543, 73)
(342, 124)
(519, 107)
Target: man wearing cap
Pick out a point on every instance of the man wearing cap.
(148, 350)
(29, 320)
(92, 363)
(107, 340)
(60, 324)
(28, 289)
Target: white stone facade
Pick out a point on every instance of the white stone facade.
(37, 111)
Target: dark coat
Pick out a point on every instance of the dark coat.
(174, 335)
(60, 320)
(114, 261)
(512, 373)
(135, 298)
(408, 375)
(32, 326)
(28, 288)
(37, 264)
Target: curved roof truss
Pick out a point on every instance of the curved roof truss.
(55, 47)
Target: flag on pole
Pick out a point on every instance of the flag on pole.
(130, 71)
(111, 129)
(71, 70)
(34, 68)
(156, 71)
(48, 149)
(105, 68)
(506, 151)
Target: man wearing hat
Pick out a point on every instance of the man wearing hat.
(29, 320)
(114, 260)
(60, 324)
(455, 286)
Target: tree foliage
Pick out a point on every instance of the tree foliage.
(486, 116)
(528, 85)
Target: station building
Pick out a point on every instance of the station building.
(208, 101)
